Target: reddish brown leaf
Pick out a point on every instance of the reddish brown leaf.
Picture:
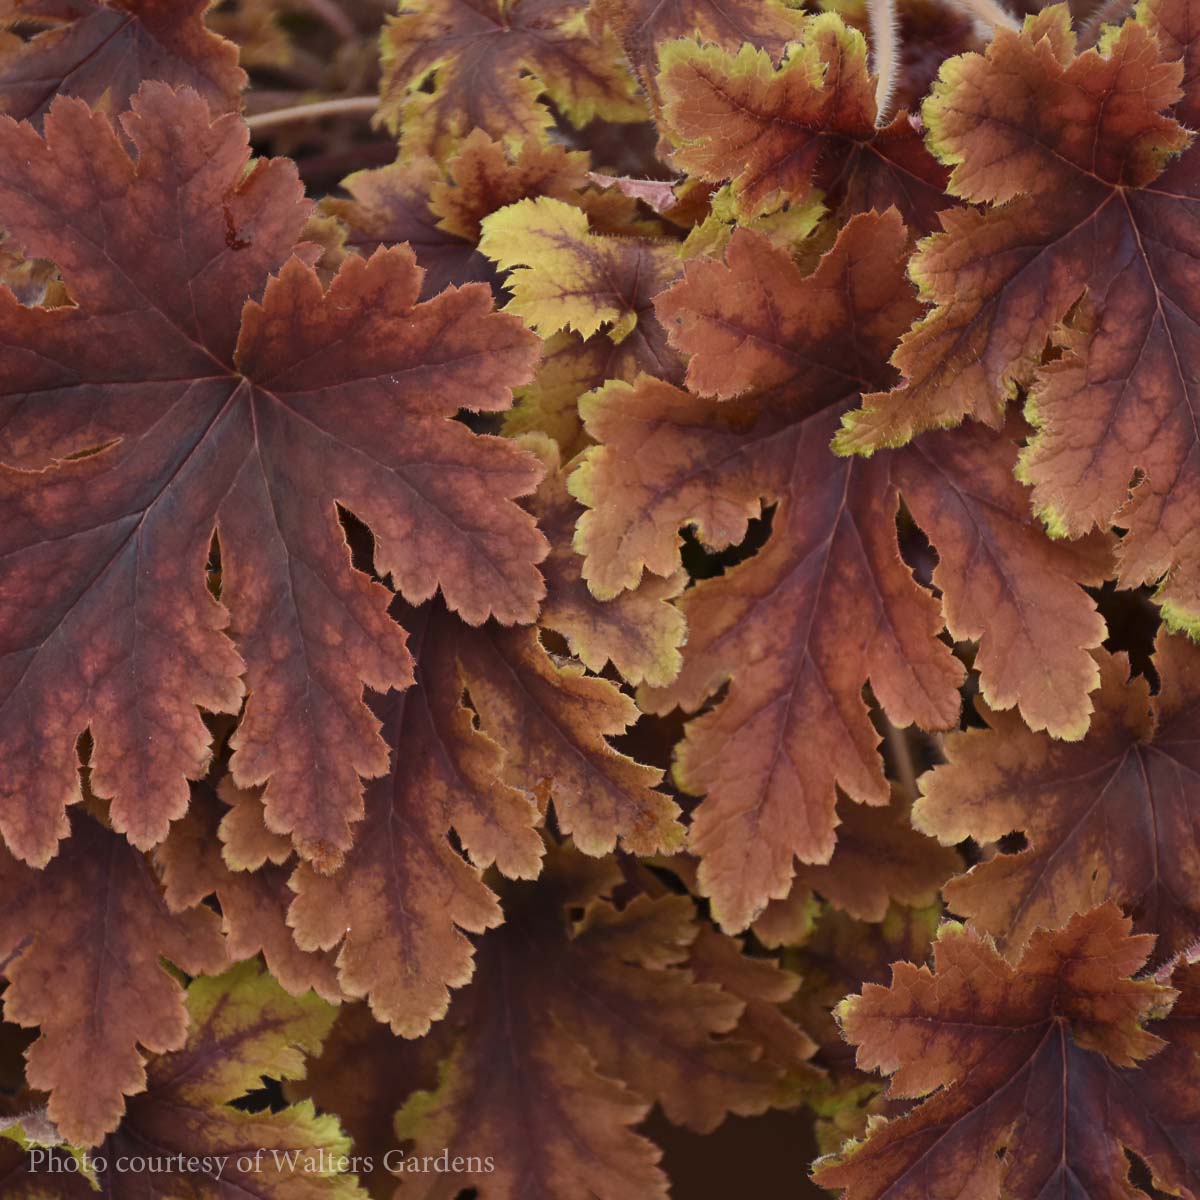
(158, 429)
(639, 631)
(793, 723)
(1068, 154)
(786, 134)
(644, 27)
(1035, 1066)
(102, 51)
(879, 858)
(254, 903)
(362, 1069)
(399, 903)
(489, 63)
(88, 972)
(554, 722)
(575, 1024)
(1110, 817)
(438, 213)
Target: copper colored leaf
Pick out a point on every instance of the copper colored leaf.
(879, 859)
(80, 944)
(639, 631)
(102, 51)
(253, 903)
(490, 63)
(1111, 817)
(184, 1136)
(827, 605)
(190, 390)
(574, 1026)
(399, 904)
(439, 212)
(783, 133)
(1086, 237)
(644, 27)
(554, 722)
(1034, 1071)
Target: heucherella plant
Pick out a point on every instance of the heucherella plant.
(574, 574)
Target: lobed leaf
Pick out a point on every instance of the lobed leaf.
(1068, 152)
(488, 63)
(574, 1026)
(189, 391)
(1107, 818)
(87, 971)
(787, 133)
(103, 50)
(1033, 1069)
(827, 605)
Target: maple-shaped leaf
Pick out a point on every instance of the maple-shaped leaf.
(826, 605)
(639, 631)
(103, 50)
(89, 972)
(185, 1136)
(399, 904)
(574, 1026)
(452, 66)
(784, 133)
(438, 213)
(253, 903)
(1033, 1070)
(1067, 152)
(562, 276)
(1110, 817)
(186, 391)
(644, 27)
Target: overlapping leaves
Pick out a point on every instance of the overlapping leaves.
(1070, 152)
(278, 606)
(827, 606)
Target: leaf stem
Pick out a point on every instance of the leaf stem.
(1108, 13)
(345, 106)
(328, 11)
(902, 760)
(885, 55)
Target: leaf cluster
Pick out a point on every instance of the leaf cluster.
(577, 568)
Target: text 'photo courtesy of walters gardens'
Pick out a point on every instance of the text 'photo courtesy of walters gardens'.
(599, 599)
